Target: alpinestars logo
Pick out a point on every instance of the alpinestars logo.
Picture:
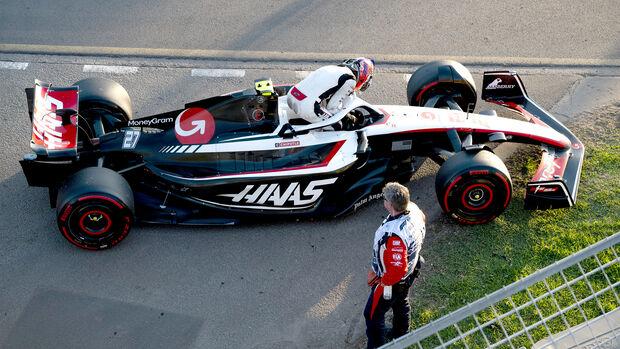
(279, 197)
(496, 84)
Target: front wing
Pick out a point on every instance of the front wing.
(556, 181)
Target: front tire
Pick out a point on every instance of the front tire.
(473, 187)
(95, 208)
(443, 79)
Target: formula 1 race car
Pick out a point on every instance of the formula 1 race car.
(245, 155)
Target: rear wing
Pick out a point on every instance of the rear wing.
(556, 181)
(53, 112)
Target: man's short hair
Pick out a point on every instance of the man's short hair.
(397, 195)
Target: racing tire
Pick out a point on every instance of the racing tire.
(473, 187)
(445, 77)
(95, 208)
(104, 104)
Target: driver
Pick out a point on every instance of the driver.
(321, 94)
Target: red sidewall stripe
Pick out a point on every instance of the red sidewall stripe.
(445, 199)
(424, 90)
(102, 198)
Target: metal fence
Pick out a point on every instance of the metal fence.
(569, 304)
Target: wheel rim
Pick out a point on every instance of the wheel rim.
(477, 197)
(95, 222)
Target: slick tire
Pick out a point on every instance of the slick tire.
(473, 187)
(104, 103)
(442, 78)
(95, 208)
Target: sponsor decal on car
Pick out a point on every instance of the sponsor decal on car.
(402, 145)
(497, 84)
(131, 139)
(294, 195)
(149, 122)
(194, 126)
(366, 200)
(551, 167)
(258, 115)
(48, 129)
(287, 144)
(542, 189)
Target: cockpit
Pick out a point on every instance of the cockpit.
(264, 110)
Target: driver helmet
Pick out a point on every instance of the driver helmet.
(363, 69)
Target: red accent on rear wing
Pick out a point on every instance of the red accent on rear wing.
(556, 181)
(51, 135)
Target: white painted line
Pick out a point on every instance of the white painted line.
(111, 69)
(219, 73)
(13, 65)
(302, 74)
(406, 77)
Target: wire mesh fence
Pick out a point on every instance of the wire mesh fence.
(569, 304)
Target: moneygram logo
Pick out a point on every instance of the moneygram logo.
(149, 122)
(194, 126)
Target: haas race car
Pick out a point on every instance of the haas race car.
(245, 155)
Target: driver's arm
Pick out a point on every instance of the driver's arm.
(339, 96)
(394, 261)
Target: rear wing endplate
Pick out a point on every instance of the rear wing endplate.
(53, 112)
(556, 181)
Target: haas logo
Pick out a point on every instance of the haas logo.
(194, 126)
(293, 195)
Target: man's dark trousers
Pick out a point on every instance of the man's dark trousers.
(375, 327)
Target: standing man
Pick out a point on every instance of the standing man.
(395, 264)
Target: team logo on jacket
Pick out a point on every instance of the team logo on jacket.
(194, 126)
(278, 196)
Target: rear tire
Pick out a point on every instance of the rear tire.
(473, 187)
(104, 104)
(445, 77)
(95, 208)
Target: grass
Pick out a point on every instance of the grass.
(466, 263)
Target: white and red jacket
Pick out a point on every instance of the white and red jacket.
(397, 245)
(318, 96)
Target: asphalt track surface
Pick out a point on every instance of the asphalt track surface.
(480, 28)
(270, 285)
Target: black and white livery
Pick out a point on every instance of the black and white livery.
(244, 156)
